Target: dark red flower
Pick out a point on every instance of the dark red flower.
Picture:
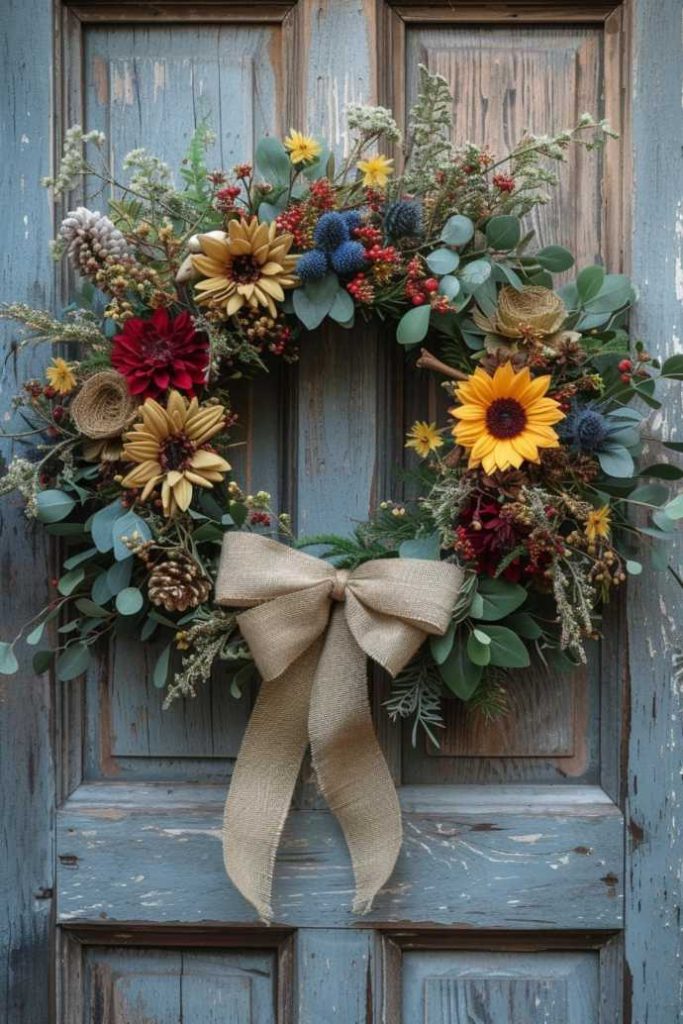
(161, 353)
(483, 537)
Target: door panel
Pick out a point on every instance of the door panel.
(510, 831)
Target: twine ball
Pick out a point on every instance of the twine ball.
(104, 407)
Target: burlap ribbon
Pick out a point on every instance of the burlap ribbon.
(309, 628)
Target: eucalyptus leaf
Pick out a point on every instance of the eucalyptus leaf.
(499, 598)
(442, 261)
(342, 309)
(673, 367)
(473, 275)
(42, 661)
(413, 326)
(72, 662)
(8, 661)
(129, 601)
(633, 568)
(589, 282)
(459, 673)
(674, 509)
(615, 460)
(421, 547)
(82, 556)
(119, 574)
(664, 471)
(479, 653)
(524, 625)
(314, 301)
(449, 286)
(272, 161)
(440, 646)
(100, 592)
(615, 292)
(503, 233)
(507, 650)
(161, 667)
(102, 524)
(70, 581)
(131, 526)
(52, 506)
(555, 258)
(36, 634)
(457, 230)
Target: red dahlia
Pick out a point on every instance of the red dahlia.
(161, 353)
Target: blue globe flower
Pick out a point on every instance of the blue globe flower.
(586, 429)
(312, 266)
(352, 219)
(348, 258)
(403, 218)
(330, 231)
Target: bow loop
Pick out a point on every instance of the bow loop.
(309, 627)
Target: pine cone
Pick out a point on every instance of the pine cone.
(92, 241)
(178, 584)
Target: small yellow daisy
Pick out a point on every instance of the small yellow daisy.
(302, 148)
(598, 524)
(424, 438)
(376, 171)
(60, 376)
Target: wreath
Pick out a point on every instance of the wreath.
(529, 487)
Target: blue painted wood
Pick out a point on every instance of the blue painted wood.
(334, 974)
(140, 986)
(26, 779)
(654, 939)
(473, 856)
(460, 987)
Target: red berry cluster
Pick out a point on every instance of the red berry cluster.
(224, 200)
(374, 199)
(258, 518)
(503, 182)
(321, 195)
(368, 235)
(242, 170)
(361, 290)
(421, 291)
(293, 221)
(628, 371)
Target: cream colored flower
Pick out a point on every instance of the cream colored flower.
(170, 446)
(248, 266)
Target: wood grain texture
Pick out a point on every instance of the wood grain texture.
(26, 771)
(501, 988)
(334, 981)
(498, 857)
(654, 939)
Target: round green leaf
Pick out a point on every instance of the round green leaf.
(479, 653)
(413, 326)
(70, 581)
(449, 286)
(589, 282)
(342, 309)
(457, 230)
(8, 662)
(421, 547)
(473, 275)
(119, 574)
(314, 301)
(498, 599)
(72, 662)
(102, 523)
(633, 568)
(555, 258)
(440, 646)
(132, 527)
(674, 510)
(53, 505)
(35, 636)
(129, 601)
(615, 460)
(42, 662)
(272, 161)
(616, 291)
(459, 672)
(507, 650)
(442, 261)
(503, 233)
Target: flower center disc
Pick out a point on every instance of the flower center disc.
(176, 452)
(505, 417)
(245, 269)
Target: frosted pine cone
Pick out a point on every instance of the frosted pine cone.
(178, 584)
(92, 240)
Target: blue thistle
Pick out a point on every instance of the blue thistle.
(586, 429)
(330, 231)
(352, 219)
(348, 258)
(312, 266)
(403, 218)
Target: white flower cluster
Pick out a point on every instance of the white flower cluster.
(151, 176)
(22, 476)
(73, 164)
(372, 122)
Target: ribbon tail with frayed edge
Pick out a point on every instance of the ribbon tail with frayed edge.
(264, 778)
(352, 773)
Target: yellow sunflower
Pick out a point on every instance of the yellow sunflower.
(506, 418)
(302, 148)
(376, 171)
(170, 447)
(424, 438)
(60, 376)
(598, 523)
(248, 266)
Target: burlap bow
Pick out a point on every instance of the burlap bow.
(309, 628)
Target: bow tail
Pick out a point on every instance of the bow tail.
(352, 772)
(264, 778)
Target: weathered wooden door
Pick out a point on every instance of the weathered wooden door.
(507, 905)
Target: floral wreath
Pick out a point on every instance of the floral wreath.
(530, 487)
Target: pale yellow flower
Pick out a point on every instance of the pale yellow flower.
(60, 376)
(424, 438)
(376, 171)
(303, 149)
(598, 524)
(170, 446)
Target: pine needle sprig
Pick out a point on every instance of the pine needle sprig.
(417, 692)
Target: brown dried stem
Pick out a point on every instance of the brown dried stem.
(427, 361)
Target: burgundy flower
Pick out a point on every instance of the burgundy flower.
(483, 537)
(161, 353)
